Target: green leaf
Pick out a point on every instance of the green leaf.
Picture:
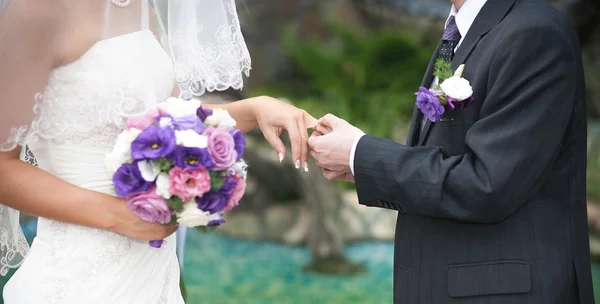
(442, 69)
(175, 203)
(163, 164)
(206, 229)
(216, 180)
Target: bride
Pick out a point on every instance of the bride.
(71, 73)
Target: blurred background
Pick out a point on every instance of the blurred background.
(296, 237)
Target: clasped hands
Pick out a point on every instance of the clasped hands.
(331, 145)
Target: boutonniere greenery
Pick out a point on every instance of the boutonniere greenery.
(450, 92)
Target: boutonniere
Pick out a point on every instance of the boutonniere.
(451, 92)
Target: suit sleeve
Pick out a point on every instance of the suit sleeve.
(531, 91)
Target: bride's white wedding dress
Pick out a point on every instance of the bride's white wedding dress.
(81, 114)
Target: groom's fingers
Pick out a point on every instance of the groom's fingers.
(322, 129)
(330, 121)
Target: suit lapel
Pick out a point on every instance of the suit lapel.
(417, 117)
(490, 15)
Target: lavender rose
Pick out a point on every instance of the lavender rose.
(150, 207)
(429, 104)
(128, 181)
(221, 147)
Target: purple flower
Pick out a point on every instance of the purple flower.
(189, 123)
(429, 104)
(150, 207)
(240, 142)
(153, 143)
(203, 113)
(128, 181)
(212, 201)
(468, 101)
(193, 158)
(228, 186)
(221, 147)
(216, 222)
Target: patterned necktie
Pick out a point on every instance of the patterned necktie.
(450, 40)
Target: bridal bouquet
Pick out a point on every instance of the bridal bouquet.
(180, 163)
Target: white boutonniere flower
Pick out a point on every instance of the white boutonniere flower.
(457, 87)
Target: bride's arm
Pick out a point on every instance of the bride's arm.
(274, 116)
(29, 49)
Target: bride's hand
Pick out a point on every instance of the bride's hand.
(274, 116)
(126, 223)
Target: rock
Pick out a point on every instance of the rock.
(296, 234)
(278, 219)
(246, 226)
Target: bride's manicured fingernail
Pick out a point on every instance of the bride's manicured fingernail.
(305, 167)
(280, 157)
(298, 164)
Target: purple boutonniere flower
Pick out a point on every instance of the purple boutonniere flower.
(429, 104)
(153, 143)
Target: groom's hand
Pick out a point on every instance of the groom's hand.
(331, 146)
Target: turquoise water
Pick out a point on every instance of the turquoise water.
(221, 270)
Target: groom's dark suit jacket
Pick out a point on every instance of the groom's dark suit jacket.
(491, 198)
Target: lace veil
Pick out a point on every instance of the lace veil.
(203, 39)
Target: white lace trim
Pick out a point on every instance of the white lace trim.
(13, 244)
(216, 65)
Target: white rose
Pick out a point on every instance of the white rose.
(148, 170)
(121, 152)
(178, 107)
(191, 216)
(220, 119)
(190, 139)
(457, 88)
(162, 186)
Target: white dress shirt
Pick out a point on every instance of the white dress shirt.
(464, 19)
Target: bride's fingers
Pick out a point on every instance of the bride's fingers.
(295, 140)
(309, 121)
(271, 136)
(304, 144)
(324, 130)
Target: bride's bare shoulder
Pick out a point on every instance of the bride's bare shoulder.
(46, 26)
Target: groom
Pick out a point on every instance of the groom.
(490, 196)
